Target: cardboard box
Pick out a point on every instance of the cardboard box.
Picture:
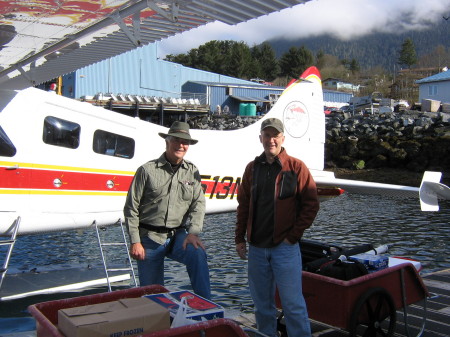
(125, 317)
(371, 261)
(199, 308)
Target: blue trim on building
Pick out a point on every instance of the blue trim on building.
(444, 76)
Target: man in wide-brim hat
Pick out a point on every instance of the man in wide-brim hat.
(179, 130)
(164, 212)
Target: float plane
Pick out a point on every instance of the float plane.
(65, 163)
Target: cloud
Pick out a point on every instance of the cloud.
(344, 19)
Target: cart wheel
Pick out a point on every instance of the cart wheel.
(371, 309)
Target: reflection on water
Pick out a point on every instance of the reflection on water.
(408, 231)
(345, 221)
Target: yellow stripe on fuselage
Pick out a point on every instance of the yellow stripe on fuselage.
(56, 192)
(63, 168)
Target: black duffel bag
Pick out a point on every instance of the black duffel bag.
(343, 270)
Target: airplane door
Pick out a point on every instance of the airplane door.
(14, 177)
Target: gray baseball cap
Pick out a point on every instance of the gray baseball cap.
(274, 123)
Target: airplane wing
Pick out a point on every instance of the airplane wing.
(43, 39)
(429, 191)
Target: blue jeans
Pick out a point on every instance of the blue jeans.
(151, 269)
(280, 267)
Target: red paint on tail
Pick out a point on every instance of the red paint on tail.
(308, 72)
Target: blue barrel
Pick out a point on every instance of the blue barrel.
(251, 109)
(243, 109)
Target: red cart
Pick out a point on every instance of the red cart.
(365, 305)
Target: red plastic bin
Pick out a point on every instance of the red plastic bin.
(46, 315)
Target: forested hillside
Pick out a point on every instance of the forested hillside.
(378, 49)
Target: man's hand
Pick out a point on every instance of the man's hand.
(241, 249)
(137, 251)
(194, 240)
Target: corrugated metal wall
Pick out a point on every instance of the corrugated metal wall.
(218, 94)
(139, 72)
(336, 98)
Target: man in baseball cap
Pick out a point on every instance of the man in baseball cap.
(272, 123)
(277, 202)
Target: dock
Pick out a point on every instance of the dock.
(152, 109)
(35, 282)
(437, 315)
(437, 318)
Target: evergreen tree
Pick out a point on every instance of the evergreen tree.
(256, 69)
(408, 53)
(306, 60)
(320, 59)
(286, 62)
(354, 66)
(268, 62)
(295, 61)
(183, 59)
(240, 61)
(211, 56)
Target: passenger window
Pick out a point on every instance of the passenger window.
(112, 144)
(7, 148)
(60, 132)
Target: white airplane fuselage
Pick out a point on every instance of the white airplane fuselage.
(65, 164)
(54, 187)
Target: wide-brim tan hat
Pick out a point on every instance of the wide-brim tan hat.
(179, 130)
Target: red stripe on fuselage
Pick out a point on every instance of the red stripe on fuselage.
(44, 179)
(38, 179)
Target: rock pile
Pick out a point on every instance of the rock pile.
(222, 122)
(412, 140)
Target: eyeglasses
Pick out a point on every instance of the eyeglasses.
(180, 140)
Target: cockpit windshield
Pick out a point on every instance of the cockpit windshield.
(7, 148)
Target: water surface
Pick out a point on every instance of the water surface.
(345, 221)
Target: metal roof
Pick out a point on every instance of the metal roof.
(249, 99)
(444, 76)
(247, 84)
(43, 39)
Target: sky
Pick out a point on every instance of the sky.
(344, 19)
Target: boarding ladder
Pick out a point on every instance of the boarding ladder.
(122, 243)
(9, 242)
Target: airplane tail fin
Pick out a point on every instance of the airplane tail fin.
(431, 190)
(300, 107)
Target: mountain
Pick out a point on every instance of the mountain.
(376, 49)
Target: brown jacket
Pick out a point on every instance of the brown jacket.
(296, 201)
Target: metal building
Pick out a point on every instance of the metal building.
(230, 97)
(137, 72)
(336, 99)
(140, 72)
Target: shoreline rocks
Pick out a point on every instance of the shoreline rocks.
(409, 140)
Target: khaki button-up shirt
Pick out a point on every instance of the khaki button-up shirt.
(160, 197)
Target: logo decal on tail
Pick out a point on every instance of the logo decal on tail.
(296, 119)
